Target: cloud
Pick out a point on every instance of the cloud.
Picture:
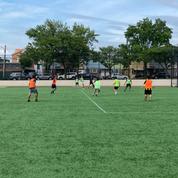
(109, 18)
(22, 11)
(91, 18)
(169, 3)
(5, 4)
(15, 14)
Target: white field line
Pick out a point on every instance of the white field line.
(141, 112)
(125, 112)
(99, 107)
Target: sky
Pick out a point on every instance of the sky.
(108, 18)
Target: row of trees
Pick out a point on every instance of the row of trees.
(56, 42)
(72, 46)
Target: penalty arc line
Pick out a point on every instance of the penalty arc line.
(99, 107)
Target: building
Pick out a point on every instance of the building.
(16, 55)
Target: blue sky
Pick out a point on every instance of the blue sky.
(109, 18)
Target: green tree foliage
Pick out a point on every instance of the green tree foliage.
(29, 56)
(128, 54)
(165, 55)
(56, 42)
(146, 34)
(109, 57)
(81, 45)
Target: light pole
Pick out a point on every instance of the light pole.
(4, 61)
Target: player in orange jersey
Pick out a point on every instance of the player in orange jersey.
(148, 88)
(32, 88)
(53, 86)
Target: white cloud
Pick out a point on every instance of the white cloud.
(170, 3)
(109, 18)
(26, 11)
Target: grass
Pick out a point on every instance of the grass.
(67, 136)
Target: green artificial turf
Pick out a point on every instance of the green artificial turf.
(67, 135)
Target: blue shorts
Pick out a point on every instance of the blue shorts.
(33, 91)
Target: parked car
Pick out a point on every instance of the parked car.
(140, 76)
(87, 76)
(162, 75)
(69, 76)
(119, 76)
(30, 74)
(107, 77)
(17, 76)
(44, 77)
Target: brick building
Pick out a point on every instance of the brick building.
(16, 55)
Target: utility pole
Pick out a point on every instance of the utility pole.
(4, 62)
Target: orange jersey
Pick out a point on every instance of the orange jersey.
(148, 84)
(32, 83)
(54, 82)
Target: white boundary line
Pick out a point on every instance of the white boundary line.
(123, 112)
(94, 102)
(140, 112)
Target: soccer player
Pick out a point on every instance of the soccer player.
(82, 81)
(32, 88)
(116, 86)
(148, 88)
(76, 81)
(91, 82)
(97, 86)
(128, 84)
(53, 86)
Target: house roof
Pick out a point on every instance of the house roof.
(95, 65)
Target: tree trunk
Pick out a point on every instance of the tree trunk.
(65, 70)
(145, 69)
(129, 71)
(110, 69)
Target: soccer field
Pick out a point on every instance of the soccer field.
(75, 135)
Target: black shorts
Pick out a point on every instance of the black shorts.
(116, 88)
(53, 86)
(148, 91)
(128, 85)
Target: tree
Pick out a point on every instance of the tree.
(29, 57)
(57, 42)
(109, 57)
(128, 54)
(165, 56)
(49, 39)
(146, 34)
(82, 41)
